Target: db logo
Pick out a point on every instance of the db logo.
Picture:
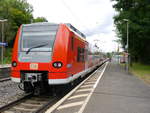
(34, 66)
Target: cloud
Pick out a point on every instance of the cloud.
(105, 26)
(92, 17)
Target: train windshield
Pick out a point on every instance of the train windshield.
(34, 35)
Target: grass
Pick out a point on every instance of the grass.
(141, 71)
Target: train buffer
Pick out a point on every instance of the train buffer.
(116, 92)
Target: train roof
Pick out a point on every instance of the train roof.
(67, 24)
(40, 23)
(75, 30)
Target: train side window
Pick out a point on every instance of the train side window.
(78, 54)
(81, 55)
(72, 43)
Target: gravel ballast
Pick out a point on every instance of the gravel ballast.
(9, 92)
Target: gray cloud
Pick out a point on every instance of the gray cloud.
(101, 28)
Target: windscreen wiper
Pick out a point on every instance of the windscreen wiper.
(38, 46)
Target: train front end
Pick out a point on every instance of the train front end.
(32, 55)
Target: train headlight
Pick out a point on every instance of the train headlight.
(57, 64)
(14, 64)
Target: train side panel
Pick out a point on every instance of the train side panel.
(15, 73)
(76, 56)
(60, 75)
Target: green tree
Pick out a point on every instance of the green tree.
(17, 12)
(40, 19)
(137, 12)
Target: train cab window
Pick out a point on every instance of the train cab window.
(80, 55)
(39, 36)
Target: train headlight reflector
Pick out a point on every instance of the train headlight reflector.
(57, 64)
(14, 64)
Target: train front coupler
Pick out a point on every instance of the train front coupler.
(33, 82)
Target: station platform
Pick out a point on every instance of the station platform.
(119, 92)
(5, 71)
(5, 66)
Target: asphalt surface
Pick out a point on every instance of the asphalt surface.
(119, 92)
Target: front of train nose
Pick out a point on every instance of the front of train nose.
(34, 56)
(35, 50)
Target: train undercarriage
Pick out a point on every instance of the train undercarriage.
(34, 81)
(37, 83)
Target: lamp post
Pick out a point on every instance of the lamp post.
(2, 52)
(127, 46)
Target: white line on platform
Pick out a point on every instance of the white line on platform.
(55, 106)
(90, 82)
(5, 66)
(85, 86)
(82, 90)
(70, 105)
(78, 96)
(88, 98)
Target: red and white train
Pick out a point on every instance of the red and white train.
(46, 54)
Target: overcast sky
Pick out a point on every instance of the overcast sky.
(92, 17)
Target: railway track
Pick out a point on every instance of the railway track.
(29, 104)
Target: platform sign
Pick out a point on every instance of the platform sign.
(3, 44)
